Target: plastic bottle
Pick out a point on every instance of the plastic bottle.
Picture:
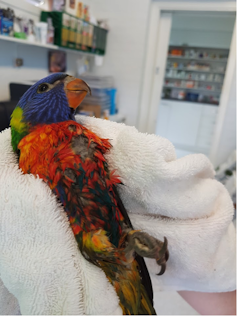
(106, 115)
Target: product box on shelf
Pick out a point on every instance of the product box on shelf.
(70, 7)
(90, 35)
(72, 32)
(61, 35)
(79, 13)
(84, 35)
(79, 34)
(6, 22)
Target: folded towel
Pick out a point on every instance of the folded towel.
(40, 263)
(180, 199)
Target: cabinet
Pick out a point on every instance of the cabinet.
(189, 126)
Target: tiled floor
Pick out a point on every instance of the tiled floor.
(171, 303)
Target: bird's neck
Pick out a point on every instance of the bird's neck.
(19, 128)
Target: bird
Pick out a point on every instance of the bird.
(70, 158)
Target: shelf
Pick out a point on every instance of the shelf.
(196, 89)
(203, 81)
(201, 103)
(23, 41)
(48, 46)
(186, 46)
(196, 58)
(196, 70)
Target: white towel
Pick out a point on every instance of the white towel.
(40, 263)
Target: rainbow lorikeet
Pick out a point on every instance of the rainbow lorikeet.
(70, 159)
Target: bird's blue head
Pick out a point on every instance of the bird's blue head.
(53, 99)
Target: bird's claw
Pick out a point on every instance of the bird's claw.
(163, 257)
(150, 247)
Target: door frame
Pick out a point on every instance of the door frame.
(149, 100)
(230, 71)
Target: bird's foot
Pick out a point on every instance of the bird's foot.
(147, 246)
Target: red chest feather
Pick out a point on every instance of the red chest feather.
(49, 147)
(70, 158)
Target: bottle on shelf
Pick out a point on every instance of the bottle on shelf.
(106, 115)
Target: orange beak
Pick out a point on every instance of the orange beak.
(76, 90)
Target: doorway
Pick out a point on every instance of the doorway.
(193, 60)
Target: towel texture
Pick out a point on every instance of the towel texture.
(180, 199)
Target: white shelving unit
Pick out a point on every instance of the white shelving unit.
(198, 71)
(191, 93)
(218, 60)
(194, 89)
(48, 46)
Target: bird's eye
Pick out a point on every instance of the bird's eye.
(43, 87)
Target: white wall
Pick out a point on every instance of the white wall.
(208, 30)
(35, 65)
(125, 49)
